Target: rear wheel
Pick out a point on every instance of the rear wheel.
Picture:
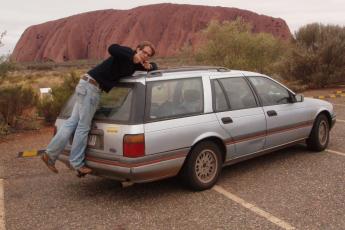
(319, 136)
(202, 167)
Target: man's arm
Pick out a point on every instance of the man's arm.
(118, 51)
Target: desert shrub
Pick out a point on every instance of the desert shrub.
(5, 63)
(14, 100)
(41, 66)
(49, 107)
(5, 66)
(317, 58)
(4, 128)
(2, 34)
(233, 45)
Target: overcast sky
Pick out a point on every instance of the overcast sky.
(17, 15)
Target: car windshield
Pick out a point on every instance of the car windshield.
(115, 105)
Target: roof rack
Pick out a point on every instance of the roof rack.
(158, 73)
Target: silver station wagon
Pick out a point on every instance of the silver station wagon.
(193, 121)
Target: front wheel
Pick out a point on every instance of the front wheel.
(319, 136)
(202, 167)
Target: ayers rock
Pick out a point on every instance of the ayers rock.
(168, 26)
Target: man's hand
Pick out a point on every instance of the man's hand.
(146, 65)
(137, 59)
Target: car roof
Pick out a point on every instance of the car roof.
(185, 72)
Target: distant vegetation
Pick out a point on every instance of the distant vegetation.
(313, 59)
(316, 58)
(49, 107)
(5, 64)
(2, 35)
(233, 45)
(16, 103)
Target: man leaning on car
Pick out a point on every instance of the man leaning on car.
(123, 61)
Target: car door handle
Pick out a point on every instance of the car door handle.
(272, 113)
(227, 120)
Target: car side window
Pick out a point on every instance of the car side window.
(220, 103)
(270, 92)
(174, 98)
(238, 92)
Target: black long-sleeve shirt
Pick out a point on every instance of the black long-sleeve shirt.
(119, 64)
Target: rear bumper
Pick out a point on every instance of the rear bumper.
(145, 169)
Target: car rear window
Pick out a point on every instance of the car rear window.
(116, 106)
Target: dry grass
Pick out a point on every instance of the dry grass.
(38, 78)
(43, 75)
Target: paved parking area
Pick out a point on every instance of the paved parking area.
(289, 189)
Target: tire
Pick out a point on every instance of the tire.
(202, 166)
(319, 136)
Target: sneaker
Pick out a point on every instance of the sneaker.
(51, 165)
(84, 170)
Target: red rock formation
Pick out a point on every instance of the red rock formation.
(168, 26)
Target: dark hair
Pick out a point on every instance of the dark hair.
(142, 44)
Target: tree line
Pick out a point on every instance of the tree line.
(314, 57)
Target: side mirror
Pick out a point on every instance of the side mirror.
(299, 97)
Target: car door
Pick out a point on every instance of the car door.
(287, 120)
(175, 115)
(239, 113)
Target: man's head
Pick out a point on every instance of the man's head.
(144, 51)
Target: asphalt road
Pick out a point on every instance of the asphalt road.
(291, 188)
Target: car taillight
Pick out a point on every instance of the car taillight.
(134, 145)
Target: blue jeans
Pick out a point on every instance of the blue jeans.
(79, 122)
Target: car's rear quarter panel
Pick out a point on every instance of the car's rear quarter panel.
(181, 133)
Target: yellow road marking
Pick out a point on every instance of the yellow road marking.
(329, 96)
(253, 208)
(335, 152)
(30, 153)
(2, 208)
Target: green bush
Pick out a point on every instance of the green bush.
(14, 100)
(49, 107)
(317, 58)
(233, 45)
(5, 66)
(4, 128)
(5, 63)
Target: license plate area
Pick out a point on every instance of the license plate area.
(95, 139)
